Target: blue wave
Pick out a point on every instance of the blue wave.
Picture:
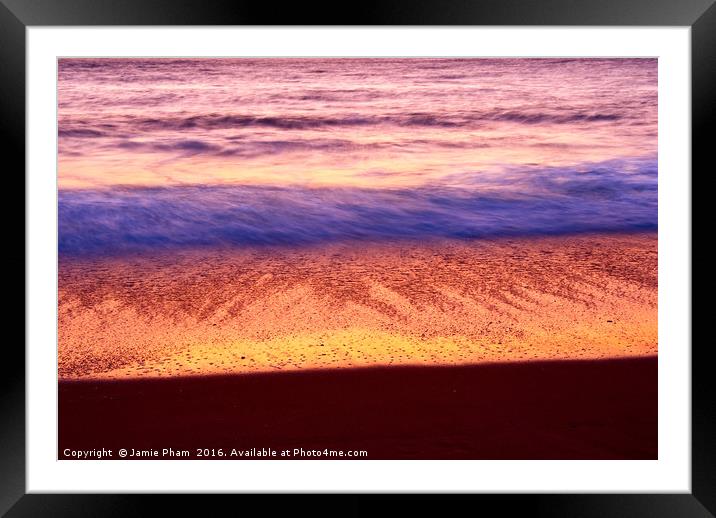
(618, 195)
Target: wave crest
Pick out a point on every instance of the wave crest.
(618, 195)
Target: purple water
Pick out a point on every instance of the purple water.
(157, 153)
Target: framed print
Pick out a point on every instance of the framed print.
(418, 250)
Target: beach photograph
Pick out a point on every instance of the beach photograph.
(357, 258)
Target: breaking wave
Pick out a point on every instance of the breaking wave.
(617, 195)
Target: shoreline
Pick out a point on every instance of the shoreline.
(342, 306)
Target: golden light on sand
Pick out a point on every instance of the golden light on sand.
(337, 306)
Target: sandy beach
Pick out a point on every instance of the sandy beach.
(345, 306)
(511, 349)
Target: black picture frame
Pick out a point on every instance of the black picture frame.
(17, 15)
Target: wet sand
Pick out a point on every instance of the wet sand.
(508, 349)
(357, 305)
(605, 409)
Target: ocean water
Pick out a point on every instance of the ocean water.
(162, 153)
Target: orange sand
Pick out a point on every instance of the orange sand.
(346, 305)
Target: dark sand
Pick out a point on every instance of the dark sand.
(601, 409)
